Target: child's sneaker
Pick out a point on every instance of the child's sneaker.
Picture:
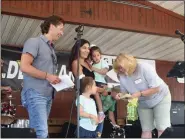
(98, 135)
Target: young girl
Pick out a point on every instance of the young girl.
(100, 68)
(88, 112)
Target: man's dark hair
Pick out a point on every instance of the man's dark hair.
(54, 20)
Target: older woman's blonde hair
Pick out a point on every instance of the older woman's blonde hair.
(129, 62)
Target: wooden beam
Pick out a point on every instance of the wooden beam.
(28, 8)
(106, 14)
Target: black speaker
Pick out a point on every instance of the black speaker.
(177, 112)
(178, 70)
(174, 132)
(18, 133)
(133, 130)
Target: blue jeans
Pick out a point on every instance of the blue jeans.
(38, 108)
(100, 127)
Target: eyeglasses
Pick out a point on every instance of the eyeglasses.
(55, 62)
(54, 58)
(53, 53)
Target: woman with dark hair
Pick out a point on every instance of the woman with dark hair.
(84, 68)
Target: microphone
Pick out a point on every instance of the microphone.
(79, 28)
(179, 33)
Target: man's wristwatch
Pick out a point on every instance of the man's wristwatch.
(141, 94)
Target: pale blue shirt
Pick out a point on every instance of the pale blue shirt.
(101, 65)
(45, 60)
(143, 78)
(89, 106)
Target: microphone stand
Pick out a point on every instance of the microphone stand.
(79, 31)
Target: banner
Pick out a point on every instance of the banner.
(12, 75)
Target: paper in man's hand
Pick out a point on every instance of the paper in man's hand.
(65, 83)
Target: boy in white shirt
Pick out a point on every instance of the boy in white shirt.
(88, 113)
(100, 68)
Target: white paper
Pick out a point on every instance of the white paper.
(65, 83)
(111, 85)
(180, 80)
(113, 75)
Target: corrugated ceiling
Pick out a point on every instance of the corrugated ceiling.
(175, 6)
(16, 30)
